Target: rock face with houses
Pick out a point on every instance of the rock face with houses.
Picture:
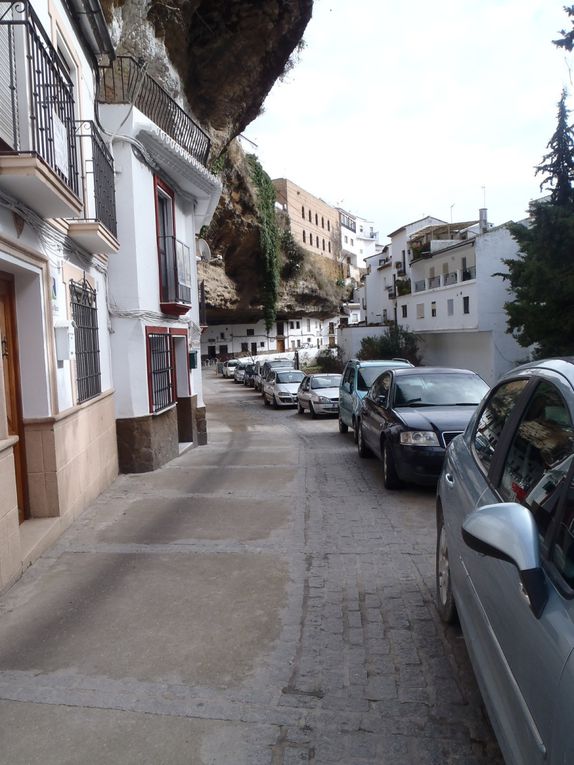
(104, 185)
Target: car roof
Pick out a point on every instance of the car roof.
(562, 365)
(379, 362)
(405, 371)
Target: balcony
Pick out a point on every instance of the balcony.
(434, 281)
(175, 275)
(126, 82)
(420, 286)
(468, 274)
(38, 152)
(451, 278)
(97, 230)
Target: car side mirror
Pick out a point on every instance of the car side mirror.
(507, 531)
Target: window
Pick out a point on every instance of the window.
(262, 344)
(304, 238)
(244, 347)
(433, 309)
(291, 325)
(174, 256)
(222, 335)
(404, 311)
(420, 310)
(539, 456)
(466, 304)
(298, 324)
(322, 222)
(450, 307)
(328, 225)
(250, 332)
(329, 246)
(346, 239)
(316, 219)
(303, 211)
(352, 242)
(323, 245)
(160, 368)
(492, 418)
(298, 343)
(84, 311)
(309, 216)
(308, 325)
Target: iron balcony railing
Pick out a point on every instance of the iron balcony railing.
(126, 82)
(420, 286)
(36, 94)
(98, 176)
(434, 281)
(175, 271)
(451, 278)
(469, 273)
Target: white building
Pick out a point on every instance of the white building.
(359, 241)
(290, 334)
(436, 279)
(165, 195)
(57, 229)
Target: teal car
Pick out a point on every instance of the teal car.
(358, 376)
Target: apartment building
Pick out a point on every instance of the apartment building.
(359, 241)
(313, 223)
(57, 234)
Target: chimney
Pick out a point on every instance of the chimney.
(482, 221)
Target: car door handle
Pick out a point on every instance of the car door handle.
(448, 477)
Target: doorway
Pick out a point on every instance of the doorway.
(12, 394)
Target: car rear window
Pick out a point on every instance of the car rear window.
(290, 377)
(326, 381)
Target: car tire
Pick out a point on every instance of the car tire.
(275, 403)
(391, 479)
(300, 409)
(343, 427)
(445, 604)
(312, 411)
(362, 447)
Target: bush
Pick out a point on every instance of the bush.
(329, 360)
(397, 343)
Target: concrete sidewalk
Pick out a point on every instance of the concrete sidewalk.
(159, 607)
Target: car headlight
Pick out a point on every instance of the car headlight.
(419, 438)
(323, 400)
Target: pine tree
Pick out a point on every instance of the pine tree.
(542, 277)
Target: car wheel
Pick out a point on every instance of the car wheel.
(444, 598)
(275, 403)
(343, 427)
(312, 411)
(300, 409)
(391, 479)
(362, 447)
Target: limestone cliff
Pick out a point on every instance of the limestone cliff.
(220, 58)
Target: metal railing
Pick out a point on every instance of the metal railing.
(451, 278)
(175, 271)
(420, 286)
(40, 100)
(469, 273)
(98, 179)
(434, 281)
(160, 370)
(125, 81)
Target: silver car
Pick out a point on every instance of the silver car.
(280, 387)
(505, 557)
(319, 394)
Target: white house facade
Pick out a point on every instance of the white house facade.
(57, 229)
(165, 195)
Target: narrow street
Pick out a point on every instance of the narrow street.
(261, 600)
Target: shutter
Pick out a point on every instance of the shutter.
(7, 98)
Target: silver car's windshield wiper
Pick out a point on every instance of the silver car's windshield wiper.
(414, 402)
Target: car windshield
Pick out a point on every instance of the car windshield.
(290, 376)
(439, 389)
(368, 375)
(326, 381)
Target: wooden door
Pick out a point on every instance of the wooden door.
(10, 367)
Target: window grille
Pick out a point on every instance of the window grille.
(85, 316)
(161, 377)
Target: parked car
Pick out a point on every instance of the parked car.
(229, 367)
(358, 377)
(280, 387)
(505, 557)
(410, 415)
(239, 371)
(319, 394)
(249, 375)
(265, 368)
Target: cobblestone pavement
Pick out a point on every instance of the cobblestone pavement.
(269, 603)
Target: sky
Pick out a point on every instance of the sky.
(397, 110)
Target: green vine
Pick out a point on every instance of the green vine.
(269, 237)
(293, 253)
